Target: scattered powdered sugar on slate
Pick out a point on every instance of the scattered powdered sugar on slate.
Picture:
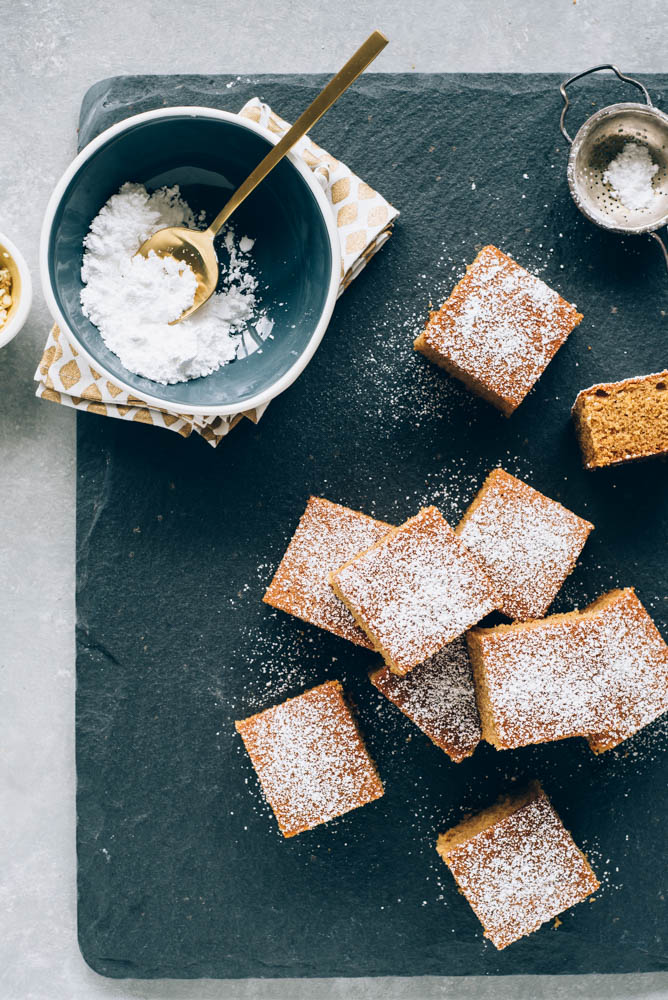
(327, 536)
(407, 388)
(277, 662)
(602, 671)
(648, 745)
(416, 590)
(310, 759)
(607, 872)
(501, 325)
(521, 872)
(438, 696)
(526, 543)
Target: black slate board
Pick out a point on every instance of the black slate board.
(181, 870)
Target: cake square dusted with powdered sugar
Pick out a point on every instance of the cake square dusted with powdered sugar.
(415, 590)
(634, 659)
(326, 537)
(438, 696)
(601, 673)
(527, 543)
(499, 329)
(517, 865)
(310, 759)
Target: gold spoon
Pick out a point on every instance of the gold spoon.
(196, 247)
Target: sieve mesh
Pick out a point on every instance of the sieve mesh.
(597, 143)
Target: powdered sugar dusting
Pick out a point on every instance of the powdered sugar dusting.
(310, 759)
(603, 671)
(501, 325)
(526, 543)
(521, 872)
(416, 590)
(438, 696)
(328, 535)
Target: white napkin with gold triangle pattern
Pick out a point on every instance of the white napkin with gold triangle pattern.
(364, 221)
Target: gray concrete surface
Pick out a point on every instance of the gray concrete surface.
(52, 50)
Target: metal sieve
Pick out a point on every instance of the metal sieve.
(598, 142)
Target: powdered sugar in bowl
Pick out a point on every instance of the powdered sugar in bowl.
(287, 222)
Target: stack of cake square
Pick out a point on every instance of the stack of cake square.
(416, 594)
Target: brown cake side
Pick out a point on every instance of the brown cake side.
(517, 865)
(498, 330)
(310, 758)
(326, 536)
(622, 421)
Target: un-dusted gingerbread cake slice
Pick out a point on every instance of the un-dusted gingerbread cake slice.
(517, 865)
(526, 543)
(621, 421)
(499, 329)
(327, 536)
(438, 696)
(415, 590)
(310, 759)
(601, 673)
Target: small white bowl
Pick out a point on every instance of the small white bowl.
(12, 258)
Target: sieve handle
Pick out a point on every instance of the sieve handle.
(595, 69)
(655, 236)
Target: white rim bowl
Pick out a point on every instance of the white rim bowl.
(20, 312)
(260, 399)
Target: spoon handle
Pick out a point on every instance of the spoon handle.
(366, 53)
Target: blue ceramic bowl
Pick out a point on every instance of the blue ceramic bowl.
(208, 153)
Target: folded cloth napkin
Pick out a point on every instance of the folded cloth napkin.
(364, 221)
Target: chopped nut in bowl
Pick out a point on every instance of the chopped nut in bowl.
(15, 290)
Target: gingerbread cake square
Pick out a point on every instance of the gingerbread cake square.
(601, 673)
(415, 590)
(499, 329)
(526, 543)
(517, 865)
(633, 658)
(438, 696)
(327, 536)
(621, 421)
(310, 759)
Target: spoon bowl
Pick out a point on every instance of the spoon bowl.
(196, 249)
